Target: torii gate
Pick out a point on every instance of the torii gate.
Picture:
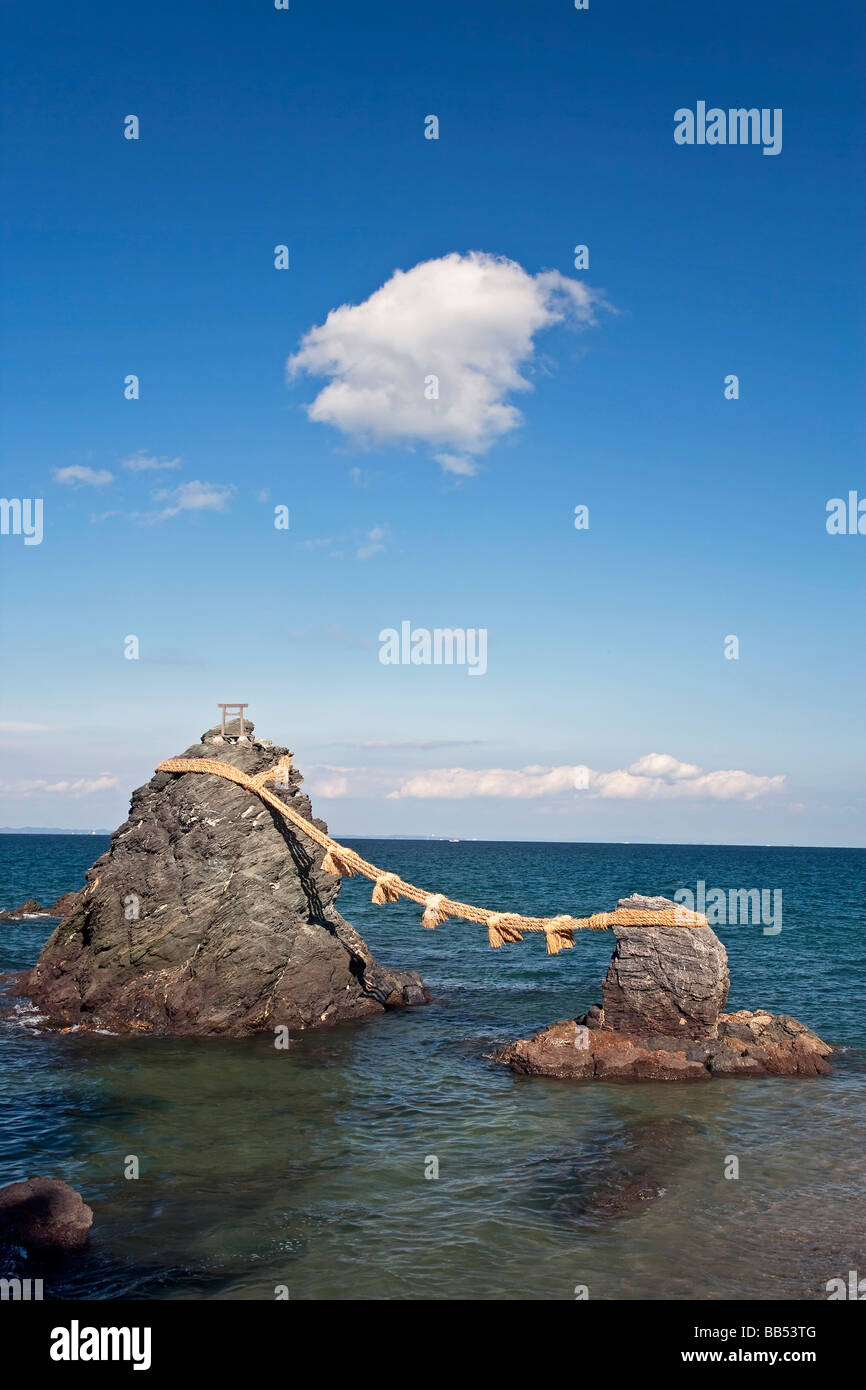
(235, 711)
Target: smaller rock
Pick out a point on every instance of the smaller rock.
(664, 979)
(31, 908)
(44, 1214)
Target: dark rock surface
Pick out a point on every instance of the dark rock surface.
(209, 915)
(44, 1214)
(661, 1019)
(664, 979)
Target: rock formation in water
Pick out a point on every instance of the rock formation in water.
(44, 1214)
(208, 915)
(661, 1018)
(31, 908)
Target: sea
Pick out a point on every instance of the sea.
(393, 1159)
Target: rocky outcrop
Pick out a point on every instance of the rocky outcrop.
(746, 1044)
(208, 915)
(661, 1019)
(31, 908)
(44, 1214)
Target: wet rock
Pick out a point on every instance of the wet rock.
(31, 908)
(571, 1050)
(778, 1044)
(44, 1214)
(209, 915)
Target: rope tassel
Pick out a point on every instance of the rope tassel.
(384, 889)
(433, 914)
(558, 936)
(333, 863)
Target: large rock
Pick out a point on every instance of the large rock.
(209, 915)
(661, 1018)
(44, 1214)
(665, 979)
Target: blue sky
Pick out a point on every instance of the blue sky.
(707, 516)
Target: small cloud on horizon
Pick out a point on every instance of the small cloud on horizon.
(656, 776)
(13, 727)
(79, 786)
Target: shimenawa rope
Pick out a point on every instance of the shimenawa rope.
(388, 888)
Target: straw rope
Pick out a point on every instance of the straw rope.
(388, 888)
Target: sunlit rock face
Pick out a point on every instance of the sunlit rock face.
(209, 915)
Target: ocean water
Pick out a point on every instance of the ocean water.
(306, 1168)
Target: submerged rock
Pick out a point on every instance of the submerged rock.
(44, 1214)
(660, 1019)
(209, 915)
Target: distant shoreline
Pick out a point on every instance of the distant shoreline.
(467, 840)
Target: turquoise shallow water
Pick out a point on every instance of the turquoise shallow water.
(306, 1168)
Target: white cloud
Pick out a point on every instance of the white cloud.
(333, 787)
(663, 765)
(8, 726)
(189, 497)
(79, 786)
(78, 476)
(143, 462)
(655, 776)
(470, 321)
(374, 541)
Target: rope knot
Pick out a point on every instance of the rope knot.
(433, 913)
(385, 889)
(500, 930)
(559, 935)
